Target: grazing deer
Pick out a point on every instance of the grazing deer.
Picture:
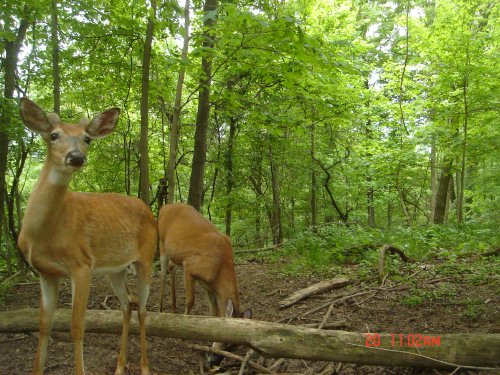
(190, 241)
(70, 234)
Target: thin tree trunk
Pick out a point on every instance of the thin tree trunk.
(389, 214)
(370, 198)
(256, 180)
(314, 183)
(442, 194)
(200, 136)
(174, 129)
(230, 174)
(434, 184)
(12, 48)
(56, 75)
(276, 226)
(461, 184)
(7, 247)
(343, 216)
(143, 142)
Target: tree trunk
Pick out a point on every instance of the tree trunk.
(230, 174)
(433, 181)
(174, 129)
(202, 116)
(343, 216)
(461, 182)
(442, 194)
(56, 75)
(143, 142)
(12, 48)
(369, 178)
(276, 226)
(287, 341)
(256, 181)
(370, 198)
(314, 182)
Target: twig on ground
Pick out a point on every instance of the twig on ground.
(327, 316)
(249, 354)
(207, 349)
(275, 366)
(104, 304)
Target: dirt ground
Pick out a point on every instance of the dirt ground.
(262, 286)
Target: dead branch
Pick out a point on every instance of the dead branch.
(209, 349)
(317, 288)
(382, 251)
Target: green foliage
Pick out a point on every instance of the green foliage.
(356, 93)
(474, 309)
(333, 245)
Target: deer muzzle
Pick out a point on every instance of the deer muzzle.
(75, 159)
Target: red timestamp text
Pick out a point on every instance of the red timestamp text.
(402, 340)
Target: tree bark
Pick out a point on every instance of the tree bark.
(281, 340)
(202, 116)
(343, 216)
(433, 181)
(276, 226)
(461, 181)
(230, 174)
(314, 182)
(442, 194)
(176, 118)
(143, 142)
(12, 48)
(56, 75)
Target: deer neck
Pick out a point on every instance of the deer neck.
(47, 198)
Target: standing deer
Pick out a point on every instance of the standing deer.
(70, 234)
(190, 241)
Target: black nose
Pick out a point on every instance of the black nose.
(75, 158)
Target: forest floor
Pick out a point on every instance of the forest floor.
(420, 299)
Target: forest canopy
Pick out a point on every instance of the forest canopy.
(273, 117)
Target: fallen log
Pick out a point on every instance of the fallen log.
(317, 288)
(472, 350)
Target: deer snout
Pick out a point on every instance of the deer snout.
(75, 159)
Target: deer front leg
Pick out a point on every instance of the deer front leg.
(189, 289)
(119, 284)
(80, 282)
(143, 287)
(48, 303)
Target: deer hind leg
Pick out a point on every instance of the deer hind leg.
(143, 287)
(163, 274)
(119, 284)
(80, 283)
(173, 296)
(212, 302)
(48, 302)
(189, 290)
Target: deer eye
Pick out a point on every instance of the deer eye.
(87, 139)
(54, 136)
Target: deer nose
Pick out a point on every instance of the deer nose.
(75, 158)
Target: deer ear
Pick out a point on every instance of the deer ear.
(103, 123)
(247, 314)
(34, 117)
